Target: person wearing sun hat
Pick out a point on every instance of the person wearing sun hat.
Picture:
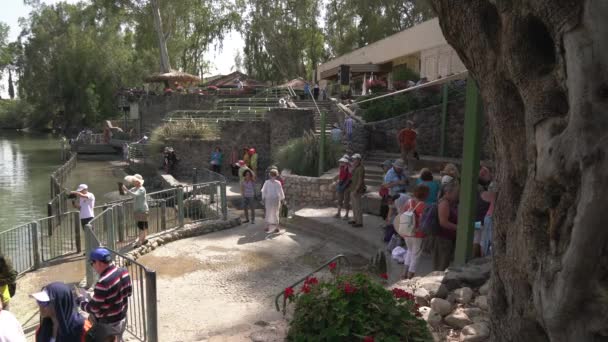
(86, 204)
(357, 191)
(59, 318)
(343, 187)
(242, 168)
(140, 208)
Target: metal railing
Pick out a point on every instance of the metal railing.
(60, 176)
(338, 258)
(142, 312)
(237, 113)
(20, 246)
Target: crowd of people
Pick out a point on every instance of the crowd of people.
(63, 308)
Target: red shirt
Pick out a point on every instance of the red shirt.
(344, 173)
(407, 137)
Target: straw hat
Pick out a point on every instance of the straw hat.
(399, 164)
(134, 178)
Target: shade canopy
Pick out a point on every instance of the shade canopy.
(173, 76)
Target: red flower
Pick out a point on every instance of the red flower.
(349, 289)
(368, 339)
(311, 281)
(384, 276)
(305, 288)
(332, 266)
(399, 293)
(288, 292)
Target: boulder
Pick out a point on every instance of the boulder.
(457, 319)
(481, 302)
(470, 276)
(473, 312)
(464, 295)
(485, 289)
(430, 316)
(441, 306)
(433, 285)
(422, 296)
(476, 332)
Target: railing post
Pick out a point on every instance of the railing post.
(108, 223)
(120, 216)
(180, 206)
(77, 234)
(163, 215)
(470, 172)
(151, 306)
(444, 119)
(35, 246)
(224, 200)
(89, 244)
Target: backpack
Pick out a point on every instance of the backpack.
(407, 220)
(429, 222)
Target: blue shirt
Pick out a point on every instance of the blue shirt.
(433, 190)
(392, 176)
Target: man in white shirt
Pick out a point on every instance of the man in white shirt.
(86, 204)
(10, 329)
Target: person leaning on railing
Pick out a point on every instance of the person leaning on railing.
(109, 303)
(140, 208)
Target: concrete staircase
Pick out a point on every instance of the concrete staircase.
(324, 106)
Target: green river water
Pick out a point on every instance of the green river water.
(26, 163)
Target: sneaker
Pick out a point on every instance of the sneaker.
(277, 230)
(245, 221)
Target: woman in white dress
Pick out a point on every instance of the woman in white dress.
(272, 194)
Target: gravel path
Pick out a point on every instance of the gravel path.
(222, 283)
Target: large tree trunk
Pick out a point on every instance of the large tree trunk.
(542, 69)
(165, 65)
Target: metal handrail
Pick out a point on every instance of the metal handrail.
(276, 299)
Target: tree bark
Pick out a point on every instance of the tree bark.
(542, 69)
(165, 65)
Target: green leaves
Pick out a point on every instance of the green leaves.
(330, 312)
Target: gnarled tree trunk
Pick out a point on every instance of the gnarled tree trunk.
(165, 65)
(542, 69)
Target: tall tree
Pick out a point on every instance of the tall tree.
(542, 69)
(165, 64)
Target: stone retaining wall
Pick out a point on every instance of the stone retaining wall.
(154, 108)
(301, 191)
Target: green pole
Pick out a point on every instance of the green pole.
(444, 119)
(322, 146)
(470, 173)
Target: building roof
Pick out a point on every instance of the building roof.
(231, 80)
(423, 36)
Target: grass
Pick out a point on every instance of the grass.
(301, 155)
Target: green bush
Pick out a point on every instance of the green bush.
(301, 155)
(403, 73)
(354, 308)
(392, 106)
(14, 114)
(185, 130)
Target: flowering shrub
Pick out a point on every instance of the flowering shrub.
(355, 308)
(376, 85)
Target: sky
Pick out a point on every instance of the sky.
(221, 61)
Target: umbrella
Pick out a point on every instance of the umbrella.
(173, 76)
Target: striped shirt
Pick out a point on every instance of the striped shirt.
(110, 296)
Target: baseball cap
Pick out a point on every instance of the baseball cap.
(82, 187)
(100, 254)
(356, 156)
(41, 296)
(240, 163)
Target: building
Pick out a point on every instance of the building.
(422, 48)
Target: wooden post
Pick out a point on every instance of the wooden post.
(470, 174)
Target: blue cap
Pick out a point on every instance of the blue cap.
(100, 254)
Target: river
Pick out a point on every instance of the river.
(26, 163)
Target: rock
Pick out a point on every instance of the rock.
(430, 316)
(464, 295)
(485, 289)
(481, 319)
(441, 306)
(422, 296)
(482, 302)
(472, 276)
(457, 319)
(433, 285)
(473, 312)
(476, 332)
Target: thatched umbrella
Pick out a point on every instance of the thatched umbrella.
(171, 77)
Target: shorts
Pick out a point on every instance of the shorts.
(100, 332)
(142, 220)
(84, 221)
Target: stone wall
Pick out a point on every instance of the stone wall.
(154, 108)
(280, 125)
(301, 191)
(382, 135)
